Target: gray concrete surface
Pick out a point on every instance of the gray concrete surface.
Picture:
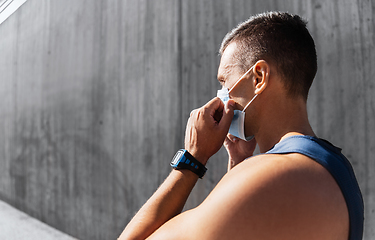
(95, 96)
(16, 225)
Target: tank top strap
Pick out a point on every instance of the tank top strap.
(331, 158)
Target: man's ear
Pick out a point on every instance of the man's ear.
(261, 76)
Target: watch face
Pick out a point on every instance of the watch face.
(177, 157)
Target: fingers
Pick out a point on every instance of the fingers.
(217, 113)
(227, 115)
(227, 141)
(212, 109)
(231, 141)
(213, 115)
(232, 138)
(215, 104)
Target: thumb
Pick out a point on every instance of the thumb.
(227, 115)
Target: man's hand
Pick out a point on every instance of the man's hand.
(207, 127)
(238, 149)
(205, 134)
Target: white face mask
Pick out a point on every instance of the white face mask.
(237, 126)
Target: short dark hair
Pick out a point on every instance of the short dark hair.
(280, 38)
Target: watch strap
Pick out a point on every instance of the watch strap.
(184, 160)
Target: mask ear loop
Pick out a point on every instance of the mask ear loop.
(249, 102)
(239, 80)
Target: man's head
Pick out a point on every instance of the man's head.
(280, 39)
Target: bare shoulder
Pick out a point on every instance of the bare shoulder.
(289, 196)
(267, 197)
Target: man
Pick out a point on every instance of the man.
(302, 188)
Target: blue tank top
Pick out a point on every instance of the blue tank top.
(332, 159)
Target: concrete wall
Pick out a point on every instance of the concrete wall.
(95, 96)
(16, 225)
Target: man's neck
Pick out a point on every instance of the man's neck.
(285, 118)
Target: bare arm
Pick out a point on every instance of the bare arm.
(165, 203)
(205, 134)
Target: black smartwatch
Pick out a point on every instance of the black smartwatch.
(184, 160)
